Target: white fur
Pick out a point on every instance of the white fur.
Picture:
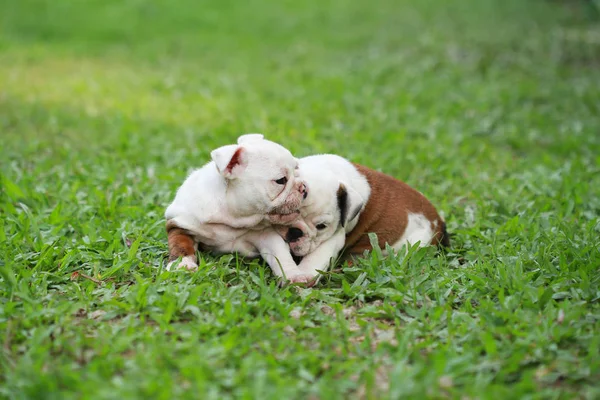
(320, 258)
(323, 174)
(229, 209)
(418, 229)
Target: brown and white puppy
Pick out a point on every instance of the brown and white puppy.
(229, 204)
(347, 202)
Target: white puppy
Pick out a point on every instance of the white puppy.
(347, 202)
(229, 205)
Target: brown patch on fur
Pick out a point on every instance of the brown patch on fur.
(386, 213)
(181, 242)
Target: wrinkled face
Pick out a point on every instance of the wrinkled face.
(323, 212)
(330, 206)
(268, 183)
(319, 221)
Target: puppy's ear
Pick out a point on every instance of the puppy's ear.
(230, 160)
(250, 137)
(350, 202)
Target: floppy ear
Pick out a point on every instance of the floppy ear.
(250, 137)
(350, 202)
(230, 160)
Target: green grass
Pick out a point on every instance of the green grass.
(490, 108)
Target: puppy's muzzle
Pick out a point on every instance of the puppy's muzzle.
(293, 234)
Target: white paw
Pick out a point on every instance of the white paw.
(305, 279)
(185, 263)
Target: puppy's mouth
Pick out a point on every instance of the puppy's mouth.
(286, 208)
(283, 217)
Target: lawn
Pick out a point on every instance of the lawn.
(490, 108)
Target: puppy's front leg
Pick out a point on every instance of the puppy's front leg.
(181, 244)
(320, 258)
(276, 252)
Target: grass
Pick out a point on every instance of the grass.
(490, 108)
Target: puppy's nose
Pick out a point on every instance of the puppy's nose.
(293, 234)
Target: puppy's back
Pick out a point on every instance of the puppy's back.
(387, 213)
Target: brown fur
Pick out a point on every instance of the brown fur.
(386, 213)
(181, 243)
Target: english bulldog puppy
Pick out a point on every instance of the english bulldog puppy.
(347, 202)
(230, 204)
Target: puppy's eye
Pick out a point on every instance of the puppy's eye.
(281, 181)
(321, 227)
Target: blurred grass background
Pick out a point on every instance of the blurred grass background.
(221, 67)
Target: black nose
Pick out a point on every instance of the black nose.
(293, 234)
(304, 195)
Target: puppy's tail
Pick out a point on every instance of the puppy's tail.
(443, 238)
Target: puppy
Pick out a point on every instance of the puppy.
(229, 204)
(348, 201)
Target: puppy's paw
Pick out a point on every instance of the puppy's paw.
(283, 219)
(302, 279)
(187, 263)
